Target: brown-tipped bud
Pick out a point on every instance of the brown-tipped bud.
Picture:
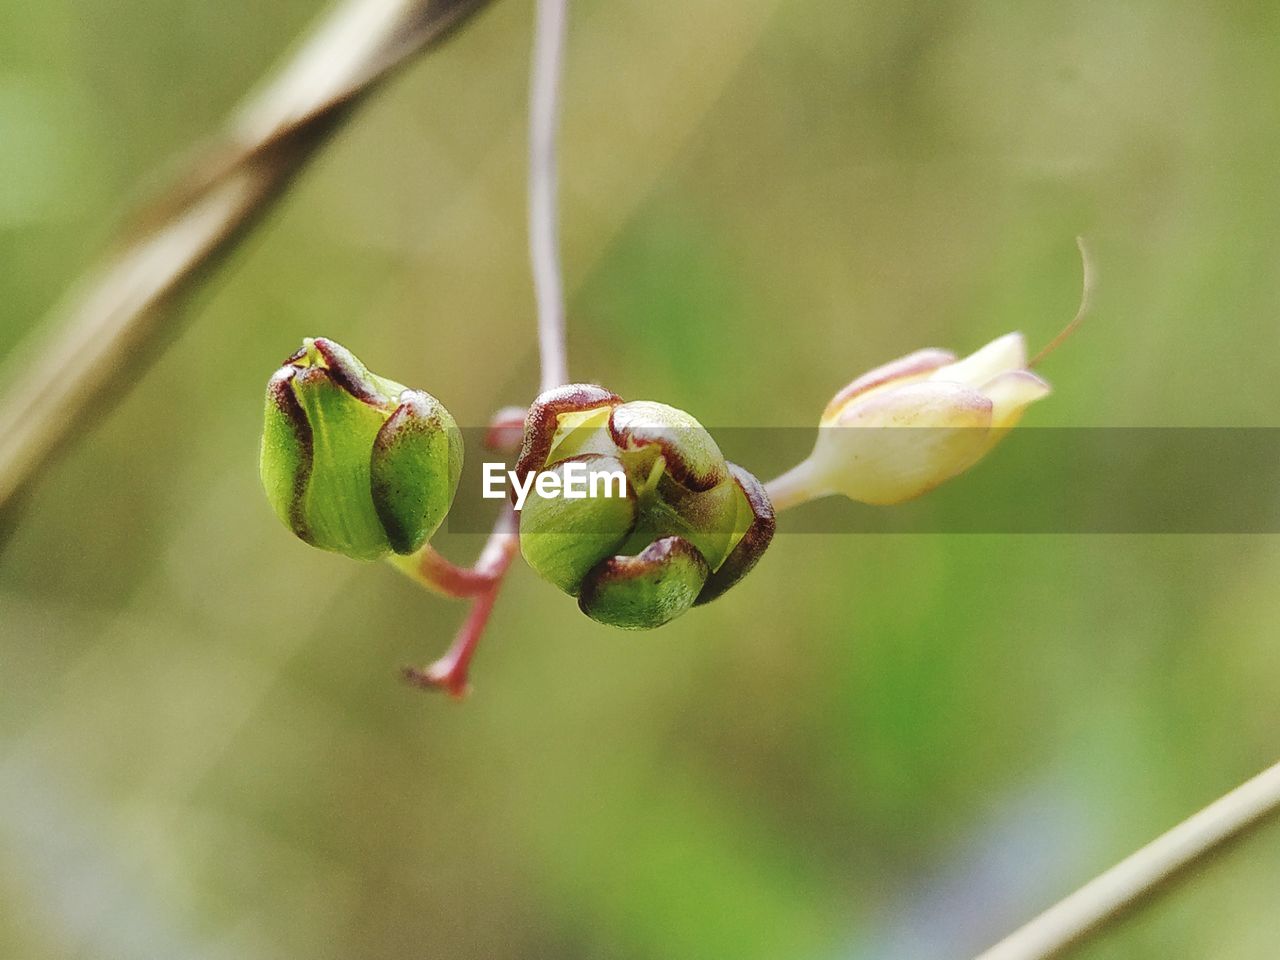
(353, 462)
(690, 526)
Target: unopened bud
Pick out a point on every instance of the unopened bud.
(911, 425)
(353, 462)
(691, 524)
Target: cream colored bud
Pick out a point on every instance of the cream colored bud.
(910, 425)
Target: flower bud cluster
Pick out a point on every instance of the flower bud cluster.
(690, 526)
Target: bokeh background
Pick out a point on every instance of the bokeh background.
(878, 746)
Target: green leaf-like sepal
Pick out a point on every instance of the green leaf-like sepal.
(416, 455)
(646, 590)
(753, 532)
(693, 459)
(563, 539)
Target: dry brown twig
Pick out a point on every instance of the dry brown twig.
(95, 341)
(1154, 869)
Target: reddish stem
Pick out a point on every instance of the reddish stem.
(450, 672)
(451, 579)
(506, 430)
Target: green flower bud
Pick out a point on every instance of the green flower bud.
(690, 526)
(353, 462)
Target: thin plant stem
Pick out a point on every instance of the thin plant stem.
(428, 568)
(451, 672)
(792, 488)
(94, 344)
(1136, 880)
(544, 234)
(484, 580)
(480, 583)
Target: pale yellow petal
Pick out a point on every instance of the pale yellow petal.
(999, 356)
(900, 443)
(1011, 393)
(912, 367)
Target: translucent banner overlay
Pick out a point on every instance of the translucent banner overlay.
(1207, 480)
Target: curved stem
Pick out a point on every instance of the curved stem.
(1088, 280)
(441, 575)
(1156, 867)
(544, 240)
(451, 671)
(483, 582)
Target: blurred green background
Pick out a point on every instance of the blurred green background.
(880, 746)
